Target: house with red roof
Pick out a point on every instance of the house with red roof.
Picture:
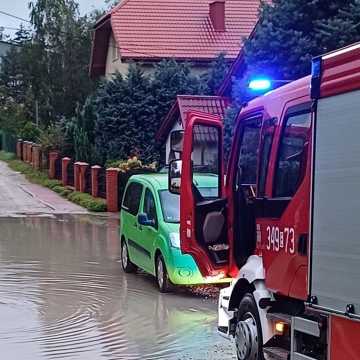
(147, 31)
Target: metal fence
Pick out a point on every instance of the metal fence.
(7, 142)
(88, 180)
(70, 174)
(102, 183)
(58, 169)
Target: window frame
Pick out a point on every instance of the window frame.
(258, 118)
(263, 172)
(304, 108)
(219, 150)
(145, 191)
(126, 208)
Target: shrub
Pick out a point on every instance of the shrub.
(6, 156)
(87, 201)
(30, 132)
(52, 138)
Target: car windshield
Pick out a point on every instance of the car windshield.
(170, 203)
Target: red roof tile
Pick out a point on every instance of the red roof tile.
(215, 105)
(179, 29)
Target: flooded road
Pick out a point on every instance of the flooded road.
(63, 295)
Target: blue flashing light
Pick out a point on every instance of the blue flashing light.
(260, 84)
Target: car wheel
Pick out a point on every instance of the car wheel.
(162, 276)
(248, 333)
(126, 264)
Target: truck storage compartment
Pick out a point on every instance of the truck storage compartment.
(335, 270)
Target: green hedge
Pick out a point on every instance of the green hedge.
(7, 142)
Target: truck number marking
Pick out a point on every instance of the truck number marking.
(280, 239)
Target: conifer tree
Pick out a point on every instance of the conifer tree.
(291, 32)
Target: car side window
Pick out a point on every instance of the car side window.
(150, 207)
(291, 163)
(132, 198)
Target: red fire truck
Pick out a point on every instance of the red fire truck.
(286, 223)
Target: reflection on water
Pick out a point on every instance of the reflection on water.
(63, 295)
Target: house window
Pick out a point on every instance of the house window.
(115, 53)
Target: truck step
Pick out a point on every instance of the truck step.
(276, 353)
(285, 318)
(306, 326)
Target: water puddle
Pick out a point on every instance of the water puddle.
(63, 295)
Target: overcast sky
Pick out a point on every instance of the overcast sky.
(20, 9)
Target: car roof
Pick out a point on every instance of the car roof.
(159, 181)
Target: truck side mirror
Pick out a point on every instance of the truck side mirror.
(176, 140)
(175, 167)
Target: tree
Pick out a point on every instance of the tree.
(130, 110)
(291, 32)
(215, 76)
(50, 64)
(64, 40)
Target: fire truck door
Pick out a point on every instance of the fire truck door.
(202, 206)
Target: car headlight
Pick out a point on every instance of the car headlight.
(174, 240)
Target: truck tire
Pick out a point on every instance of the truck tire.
(248, 333)
(126, 264)
(162, 276)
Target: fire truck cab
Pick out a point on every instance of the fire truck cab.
(284, 223)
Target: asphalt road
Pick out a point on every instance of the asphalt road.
(63, 294)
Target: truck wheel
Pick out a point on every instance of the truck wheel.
(248, 334)
(126, 264)
(162, 276)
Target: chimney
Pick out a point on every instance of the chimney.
(217, 14)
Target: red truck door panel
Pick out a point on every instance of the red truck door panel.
(282, 213)
(202, 206)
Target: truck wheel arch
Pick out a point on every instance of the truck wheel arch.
(252, 271)
(251, 279)
(239, 290)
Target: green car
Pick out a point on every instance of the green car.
(149, 230)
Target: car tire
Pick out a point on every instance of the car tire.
(248, 333)
(162, 276)
(126, 264)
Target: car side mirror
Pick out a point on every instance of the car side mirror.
(175, 168)
(144, 220)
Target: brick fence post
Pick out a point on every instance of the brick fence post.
(36, 160)
(65, 161)
(112, 188)
(53, 156)
(19, 148)
(77, 175)
(82, 181)
(95, 180)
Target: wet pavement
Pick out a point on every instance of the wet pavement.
(63, 295)
(19, 196)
